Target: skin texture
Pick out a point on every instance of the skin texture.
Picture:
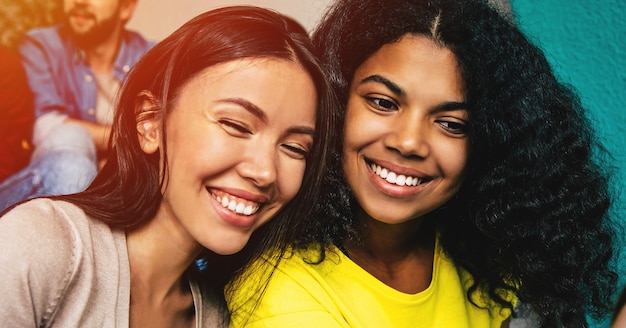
(405, 114)
(261, 153)
(537, 180)
(414, 131)
(620, 320)
(260, 136)
(232, 105)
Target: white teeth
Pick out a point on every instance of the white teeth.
(392, 177)
(237, 207)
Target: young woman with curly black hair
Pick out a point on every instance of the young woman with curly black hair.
(467, 184)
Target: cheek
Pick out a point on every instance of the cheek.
(456, 162)
(359, 128)
(290, 174)
(620, 321)
(189, 150)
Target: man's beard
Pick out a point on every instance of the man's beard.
(96, 34)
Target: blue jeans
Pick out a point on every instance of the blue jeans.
(65, 163)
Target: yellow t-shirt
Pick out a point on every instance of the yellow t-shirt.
(339, 293)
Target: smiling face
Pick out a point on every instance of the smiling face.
(405, 146)
(236, 140)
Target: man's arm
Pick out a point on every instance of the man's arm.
(100, 133)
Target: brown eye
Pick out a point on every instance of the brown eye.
(453, 126)
(382, 104)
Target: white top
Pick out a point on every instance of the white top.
(60, 268)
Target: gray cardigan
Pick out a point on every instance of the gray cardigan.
(60, 268)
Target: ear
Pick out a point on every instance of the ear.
(148, 118)
(127, 7)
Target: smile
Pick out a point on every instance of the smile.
(235, 204)
(395, 178)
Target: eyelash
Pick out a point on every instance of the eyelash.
(376, 102)
(296, 152)
(239, 128)
(453, 127)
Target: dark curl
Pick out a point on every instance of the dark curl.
(533, 214)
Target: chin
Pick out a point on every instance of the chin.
(229, 247)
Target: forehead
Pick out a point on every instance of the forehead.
(418, 50)
(414, 62)
(278, 86)
(247, 72)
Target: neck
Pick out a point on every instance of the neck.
(160, 253)
(394, 241)
(101, 55)
(399, 255)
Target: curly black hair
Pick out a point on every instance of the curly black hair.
(533, 215)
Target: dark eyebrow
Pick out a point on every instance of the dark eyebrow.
(390, 85)
(451, 105)
(302, 130)
(446, 106)
(250, 107)
(258, 112)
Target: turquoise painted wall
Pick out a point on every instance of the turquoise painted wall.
(585, 41)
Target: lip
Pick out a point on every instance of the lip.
(80, 20)
(80, 16)
(253, 197)
(397, 168)
(232, 218)
(394, 190)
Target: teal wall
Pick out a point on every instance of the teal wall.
(585, 41)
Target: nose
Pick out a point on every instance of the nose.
(409, 137)
(261, 166)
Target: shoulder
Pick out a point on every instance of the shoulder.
(45, 34)
(50, 231)
(291, 276)
(40, 256)
(46, 226)
(451, 283)
(302, 266)
(260, 293)
(50, 40)
(137, 41)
